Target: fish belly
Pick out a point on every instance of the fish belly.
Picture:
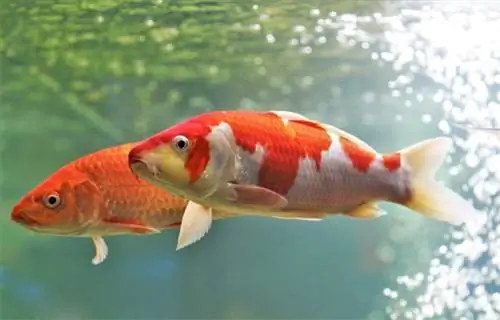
(338, 188)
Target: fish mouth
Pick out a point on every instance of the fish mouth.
(23, 219)
(150, 173)
(146, 171)
(143, 169)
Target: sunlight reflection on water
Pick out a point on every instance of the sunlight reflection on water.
(456, 48)
(454, 45)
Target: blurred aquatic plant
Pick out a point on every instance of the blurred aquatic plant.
(164, 58)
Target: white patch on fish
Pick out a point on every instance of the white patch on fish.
(338, 186)
(250, 164)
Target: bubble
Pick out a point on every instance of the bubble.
(306, 50)
(321, 40)
(255, 27)
(314, 12)
(307, 81)
(299, 28)
(213, 70)
(270, 38)
(426, 118)
(257, 61)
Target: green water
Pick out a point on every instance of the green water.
(77, 76)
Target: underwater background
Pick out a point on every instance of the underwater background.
(77, 76)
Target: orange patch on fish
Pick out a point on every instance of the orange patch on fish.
(392, 162)
(361, 159)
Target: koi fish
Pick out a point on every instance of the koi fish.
(98, 195)
(285, 165)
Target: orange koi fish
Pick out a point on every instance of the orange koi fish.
(98, 195)
(283, 164)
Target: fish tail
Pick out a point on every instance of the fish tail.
(428, 196)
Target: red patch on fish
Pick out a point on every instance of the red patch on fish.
(361, 158)
(392, 161)
(199, 153)
(197, 159)
(284, 144)
(137, 151)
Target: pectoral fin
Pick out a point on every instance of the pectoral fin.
(196, 222)
(116, 225)
(368, 211)
(101, 250)
(258, 197)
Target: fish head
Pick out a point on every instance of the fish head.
(190, 159)
(63, 204)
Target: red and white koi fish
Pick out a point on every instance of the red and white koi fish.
(97, 195)
(285, 165)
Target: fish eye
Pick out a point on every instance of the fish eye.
(181, 143)
(52, 200)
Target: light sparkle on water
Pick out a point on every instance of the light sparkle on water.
(453, 45)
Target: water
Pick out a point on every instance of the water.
(79, 77)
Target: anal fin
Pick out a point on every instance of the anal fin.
(257, 197)
(101, 250)
(366, 211)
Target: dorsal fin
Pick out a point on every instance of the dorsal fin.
(292, 116)
(289, 115)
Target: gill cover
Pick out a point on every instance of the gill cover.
(221, 165)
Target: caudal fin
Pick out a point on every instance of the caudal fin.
(429, 197)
